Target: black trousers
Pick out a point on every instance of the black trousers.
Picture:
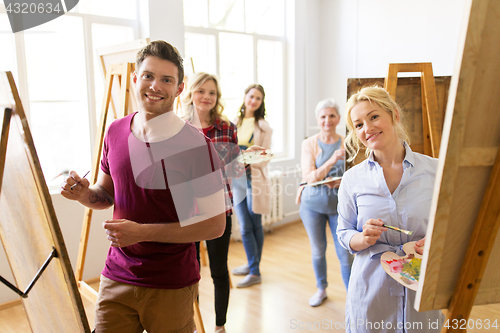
(217, 254)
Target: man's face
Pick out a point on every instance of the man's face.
(156, 86)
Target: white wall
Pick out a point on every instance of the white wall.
(359, 38)
(166, 22)
(329, 41)
(341, 39)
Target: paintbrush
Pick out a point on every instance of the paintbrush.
(409, 233)
(74, 185)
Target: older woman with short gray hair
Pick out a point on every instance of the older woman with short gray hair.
(323, 158)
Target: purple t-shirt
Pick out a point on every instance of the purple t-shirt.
(157, 183)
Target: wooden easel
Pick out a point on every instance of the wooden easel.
(460, 264)
(122, 73)
(478, 252)
(29, 229)
(118, 54)
(430, 114)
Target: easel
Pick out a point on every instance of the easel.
(430, 114)
(458, 268)
(29, 229)
(122, 73)
(119, 54)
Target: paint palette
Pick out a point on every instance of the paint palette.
(405, 270)
(255, 157)
(324, 181)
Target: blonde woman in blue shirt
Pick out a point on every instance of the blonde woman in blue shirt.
(392, 186)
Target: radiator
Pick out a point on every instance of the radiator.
(276, 214)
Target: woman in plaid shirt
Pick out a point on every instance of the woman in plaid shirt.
(202, 107)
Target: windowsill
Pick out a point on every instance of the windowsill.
(281, 159)
(54, 189)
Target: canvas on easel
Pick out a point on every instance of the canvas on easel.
(462, 249)
(29, 229)
(117, 55)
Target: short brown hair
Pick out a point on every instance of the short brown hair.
(162, 50)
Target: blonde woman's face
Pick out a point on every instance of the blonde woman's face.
(253, 100)
(205, 97)
(373, 125)
(328, 119)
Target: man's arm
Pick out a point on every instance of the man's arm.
(209, 224)
(98, 196)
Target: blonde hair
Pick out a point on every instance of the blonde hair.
(195, 82)
(378, 95)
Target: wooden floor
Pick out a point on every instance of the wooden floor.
(279, 304)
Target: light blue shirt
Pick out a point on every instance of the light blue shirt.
(373, 295)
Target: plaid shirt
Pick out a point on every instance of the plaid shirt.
(225, 140)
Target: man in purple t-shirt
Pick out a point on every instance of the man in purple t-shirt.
(163, 178)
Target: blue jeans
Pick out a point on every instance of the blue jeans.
(315, 224)
(252, 233)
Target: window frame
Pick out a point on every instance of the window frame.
(87, 21)
(284, 154)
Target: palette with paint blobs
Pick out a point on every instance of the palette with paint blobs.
(406, 269)
(255, 156)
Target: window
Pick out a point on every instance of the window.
(202, 48)
(58, 94)
(242, 42)
(8, 55)
(126, 9)
(61, 82)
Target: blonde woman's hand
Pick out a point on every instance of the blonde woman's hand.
(372, 230)
(419, 246)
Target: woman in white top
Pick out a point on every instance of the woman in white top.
(252, 198)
